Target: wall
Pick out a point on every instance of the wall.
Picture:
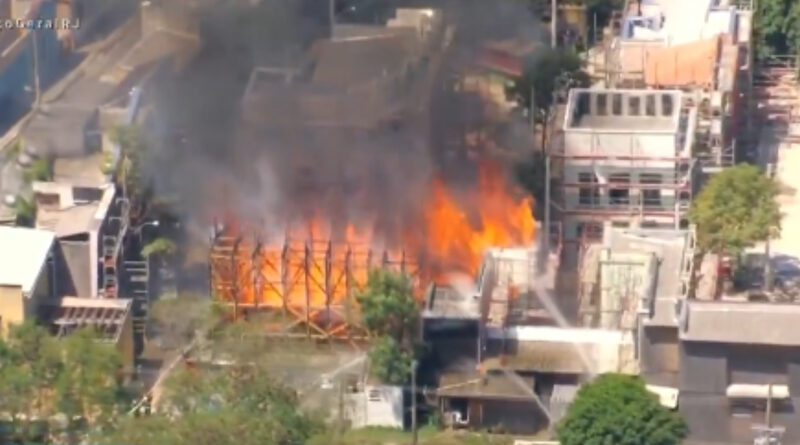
(706, 371)
(506, 416)
(125, 344)
(660, 353)
(78, 265)
(12, 308)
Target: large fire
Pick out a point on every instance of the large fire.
(315, 265)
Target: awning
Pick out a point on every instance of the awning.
(750, 391)
(668, 397)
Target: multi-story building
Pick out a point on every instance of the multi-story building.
(89, 223)
(701, 47)
(625, 156)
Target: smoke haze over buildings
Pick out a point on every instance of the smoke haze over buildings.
(216, 159)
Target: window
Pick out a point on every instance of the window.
(619, 193)
(666, 105)
(589, 195)
(650, 105)
(620, 224)
(590, 231)
(616, 104)
(602, 105)
(651, 197)
(634, 105)
(583, 104)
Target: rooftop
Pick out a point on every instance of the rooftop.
(106, 316)
(68, 210)
(556, 350)
(492, 385)
(363, 75)
(23, 255)
(740, 322)
(619, 110)
(446, 302)
(673, 250)
(676, 22)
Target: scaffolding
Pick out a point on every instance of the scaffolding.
(304, 287)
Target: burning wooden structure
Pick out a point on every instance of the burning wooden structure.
(304, 287)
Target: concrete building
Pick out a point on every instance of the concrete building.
(733, 357)
(89, 223)
(110, 319)
(375, 406)
(365, 92)
(701, 47)
(625, 156)
(636, 282)
(501, 345)
(27, 274)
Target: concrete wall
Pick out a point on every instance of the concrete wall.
(714, 419)
(12, 308)
(704, 368)
(125, 345)
(706, 371)
(660, 353)
(585, 142)
(77, 256)
(506, 416)
(17, 308)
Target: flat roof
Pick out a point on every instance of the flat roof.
(23, 253)
(106, 316)
(623, 110)
(741, 322)
(448, 303)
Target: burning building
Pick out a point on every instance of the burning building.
(339, 150)
(311, 271)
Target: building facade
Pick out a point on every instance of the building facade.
(624, 157)
(27, 274)
(736, 358)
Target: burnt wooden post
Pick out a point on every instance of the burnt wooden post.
(307, 278)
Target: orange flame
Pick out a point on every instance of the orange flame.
(457, 242)
(449, 237)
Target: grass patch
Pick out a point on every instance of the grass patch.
(427, 436)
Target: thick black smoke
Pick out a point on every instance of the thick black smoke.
(265, 170)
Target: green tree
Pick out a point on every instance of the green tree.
(390, 362)
(128, 173)
(29, 367)
(617, 409)
(236, 405)
(25, 211)
(43, 379)
(388, 307)
(775, 27)
(392, 316)
(89, 387)
(736, 209)
(550, 70)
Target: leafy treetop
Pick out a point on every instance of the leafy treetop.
(617, 409)
(736, 209)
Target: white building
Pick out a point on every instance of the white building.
(625, 157)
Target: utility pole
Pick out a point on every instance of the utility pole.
(414, 402)
(553, 26)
